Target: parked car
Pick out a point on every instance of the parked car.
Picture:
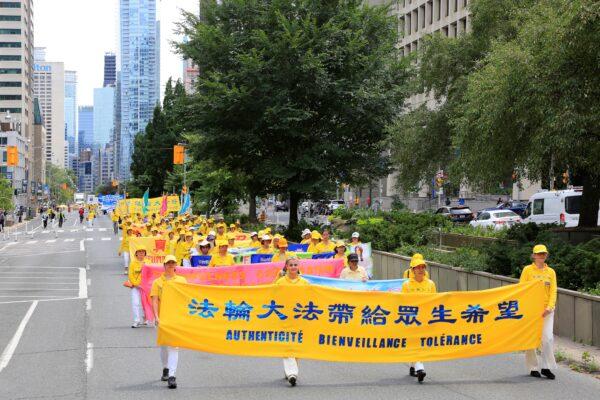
(459, 214)
(334, 205)
(517, 207)
(282, 206)
(555, 207)
(496, 219)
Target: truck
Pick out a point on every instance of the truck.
(79, 198)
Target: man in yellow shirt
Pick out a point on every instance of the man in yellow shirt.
(540, 271)
(282, 254)
(222, 258)
(135, 279)
(326, 245)
(416, 259)
(292, 277)
(168, 355)
(419, 283)
(114, 217)
(353, 271)
(315, 238)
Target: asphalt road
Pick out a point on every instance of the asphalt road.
(62, 299)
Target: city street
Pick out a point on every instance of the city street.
(66, 317)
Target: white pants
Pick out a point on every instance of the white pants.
(126, 259)
(90, 223)
(417, 366)
(290, 367)
(169, 357)
(136, 305)
(546, 359)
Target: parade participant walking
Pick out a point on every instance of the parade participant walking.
(45, 220)
(115, 220)
(222, 258)
(340, 252)
(315, 238)
(416, 259)
(135, 279)
(81, 212)
(124, 249)
(90, 218)
(540, 271)
(418, 283)
(356, 243)
(168, 355)
(61, 218)
(326, 245)
(291, 277)
(282, 254)
(265, 245)
(353, 271)
(305, 236)
(255, 242)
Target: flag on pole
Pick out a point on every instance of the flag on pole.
(146, 200)
(163, 207)
(185, 204)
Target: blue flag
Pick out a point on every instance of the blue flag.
(186, 204)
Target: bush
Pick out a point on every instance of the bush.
(466, 258)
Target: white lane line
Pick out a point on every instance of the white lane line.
(74, 230)
(106, 239)
(102, 229)
(51, 241)
(29, 289)
(35, 266)
(89, 239)
(88, 305)
(29, 278)
(74, 223)
(40, 254)
(11, 296)
(38, 283)
(81, 245)
(89, 358)
(60, 230)
(32, 242)
(69, 240)
(42, 300)
(14, 342)
(83, 284)
(89, 229)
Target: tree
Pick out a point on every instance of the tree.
(6, 195)
(61, 183)
(294, 95)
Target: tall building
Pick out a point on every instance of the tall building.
(86, 127)
(16, 80)
(71, 114)
(190, 75)
(140, 72)
(110, 69)
(49, 88)
(104, 115)
(38, 177)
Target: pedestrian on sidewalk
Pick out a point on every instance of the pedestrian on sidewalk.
(45, 219)
(540, 271)
(61, 218)
(169, 356)
(1, 220)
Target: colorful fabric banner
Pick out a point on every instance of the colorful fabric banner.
(135, 205)
(236, 275)
(366, 260)
(156, 249)
(391, 285)
(335, 325)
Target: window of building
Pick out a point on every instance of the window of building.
(10, 4)
(9, 57)
(10, 84)
(9, 31)
(11, 110)
(4, 157)
(10, 70)
(3, 141)
(10, 17)
(10, 97)
(10, 44)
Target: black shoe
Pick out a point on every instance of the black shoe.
(172, 383)
(292, 380)
(165, 375)
(548, 374)
(421, 375)
(411, 371)
(535, 374)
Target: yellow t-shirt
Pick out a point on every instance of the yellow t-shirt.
(134, 273)
(262, 250)
(124, 244)
(282, 257)
(255, 243)
(159, 283)
(286, 281)
(218, 260)
(325, 247)
(357, 275)
(342, 256)
(413, 286)
(313, 248)
(305, 241)
(546, 275)
(410, 274)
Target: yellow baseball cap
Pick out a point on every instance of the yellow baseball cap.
(222, 243)
(340, 244)
(141, 248)
(282, 243)
(315, 235)
(170, 258)
(416, 260)
(539, 248)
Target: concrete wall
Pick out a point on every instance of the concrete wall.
(577, 315)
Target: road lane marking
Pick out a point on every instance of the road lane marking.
(28, 289)
(74, 230)
(14, 342)
(89, 239)
(89, 358)
(69, 240)
(36, 266)
(32, 242)
(88, 305)
(81, 245)
(11, 296)
(102, 230)
(38, 283)
(42, 300)
(51, 241)
(83, 282)
(106, 239)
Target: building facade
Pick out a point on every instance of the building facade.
(49, 89)
(86, 127)
(110, 69)
(38, 177)
(104, 117)
(140, 72)
(70, 115)
(18, 175)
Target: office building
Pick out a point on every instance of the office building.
(71, 114)
(190, 75)
(104, 109)
(49, 89)
(38, 177)
(110, 69)
(86, 127)
(85, 171)
(140, 72)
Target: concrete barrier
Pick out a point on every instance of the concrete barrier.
(577, 315)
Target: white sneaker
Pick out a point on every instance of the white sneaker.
(136, 325)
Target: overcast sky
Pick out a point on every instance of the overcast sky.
(79, 32)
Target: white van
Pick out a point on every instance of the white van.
(555, 207)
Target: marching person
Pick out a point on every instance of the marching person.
(355, 241)
(45, 220)
(340, 252)
(418, 283)
(540, 271)
(353, 271)
(222, 258)
(315, 238)
(61, 218)
(291, 277)
(265, 245)
(124, 249)
(168, 355)
(254, 237)
(326, 245)
(115, 220)
(282, 254)
(416, 259)
(135, 279)
(81, 211)
(306, 236)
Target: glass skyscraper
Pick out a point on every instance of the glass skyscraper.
(110, 69)
(140, 72)
(71, 113)
(86, 127)
(104, 118)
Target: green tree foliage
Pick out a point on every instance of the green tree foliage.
(6, 195)
(293, 95)
(56, 178)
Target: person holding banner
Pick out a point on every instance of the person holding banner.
(282, 253)
(340, 252)
(540, 271)
(189, 244)
(418, 283)
(231, 239)
(315, 238)
(291, 277)
(265, 245)
(326, 245)
(305, 236)
(222, 258)
(353, 271)
(135, 279)
(168, 355)
(221, 232)
(356, 243)
(124, 249)
(416, 260)
(255, 242)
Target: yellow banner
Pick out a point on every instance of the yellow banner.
(156, 249)
(335, 325)
(135, 205)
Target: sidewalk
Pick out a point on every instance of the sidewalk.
(578, 356)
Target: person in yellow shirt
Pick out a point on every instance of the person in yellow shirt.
(231, 239)
(221, 232)
(418, 283)
(114, 217)
(326, 245)
(265, 245)
(255, 242)
(233, 228)
(168, 355)
(340, 252)
(275, 242)
(416, 259)
(291, 278)
(180, 249)
(540, 271)
(305, 236)
(353, 271)
(135, 279)
(222, 258)
(90, 218)
(124, 248)
(282, 254)
(188, 245)
(356, 243)
(315, 238)
(171, 242)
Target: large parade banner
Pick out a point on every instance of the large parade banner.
(235, 275)
(335, 325)
(135, 205)
(156, 249)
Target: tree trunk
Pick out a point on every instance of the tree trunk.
(588, 215)
(294, 200)
(252, 209)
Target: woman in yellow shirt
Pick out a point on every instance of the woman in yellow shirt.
(188, 244)
(135, 278)
(305, 236)
(418, 283)
(540, 271)
(124, 248)
(282, 254)
(340, 252)
(416, 259)
(326, 245)
(265, 245)
(255, 242)
(291, 278)
(315, 238)
(222, 258)
(180, 249)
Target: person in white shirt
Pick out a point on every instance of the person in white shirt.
(353, 271)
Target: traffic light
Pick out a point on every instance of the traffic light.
(178, 155)
(12, 156)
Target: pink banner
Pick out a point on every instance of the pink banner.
(235, 275)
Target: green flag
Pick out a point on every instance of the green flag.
(146, 199)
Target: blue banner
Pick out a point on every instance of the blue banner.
(109, 201)
(260, 258)
(392, 285)
(297, 247)
(200, 261)
(321, 256)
